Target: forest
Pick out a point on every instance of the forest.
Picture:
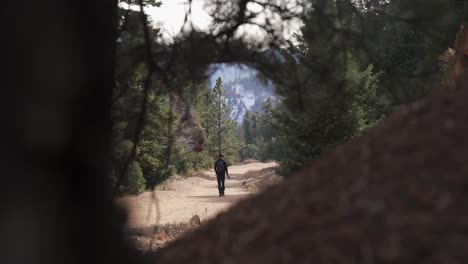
(354, 63)
(367, 125)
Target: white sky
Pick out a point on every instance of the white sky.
(170, 17)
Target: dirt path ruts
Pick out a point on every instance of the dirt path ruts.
(186, 197)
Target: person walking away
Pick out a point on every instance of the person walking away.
(221, 170)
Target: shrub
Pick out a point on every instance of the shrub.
(136, 182)
(249, 152)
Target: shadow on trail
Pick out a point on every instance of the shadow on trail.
(237, 177)
(228, 198)
(228, 183)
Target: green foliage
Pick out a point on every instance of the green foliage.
(222, 133)
(223, 125)
(136, 182)
(155, 141)
(355, 60)
(403, 40)
(258, 134)
(179, 136)
(248, 136)
(336, 101)
(249, 151)
(302, 136)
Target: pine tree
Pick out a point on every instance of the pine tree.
(136, 180)
(224, 126)
(221, 110)
(254, 127)
(246, 128)
(266, 132)
(336, 97)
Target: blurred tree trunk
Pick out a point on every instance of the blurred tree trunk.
(170, 134)
(465, 13)
(56, 198)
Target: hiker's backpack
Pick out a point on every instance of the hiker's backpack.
(220, 166)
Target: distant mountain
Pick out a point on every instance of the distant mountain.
(244, 91)
(230, 73)
(247, 94)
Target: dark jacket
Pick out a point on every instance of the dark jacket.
(225, 167)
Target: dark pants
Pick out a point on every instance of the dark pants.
(220, 178)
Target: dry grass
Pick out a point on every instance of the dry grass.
(153, 238)
(257, 181)
(200, 174)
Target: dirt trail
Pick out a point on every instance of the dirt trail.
(186, 197)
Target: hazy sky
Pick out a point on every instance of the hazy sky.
(170, 17)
